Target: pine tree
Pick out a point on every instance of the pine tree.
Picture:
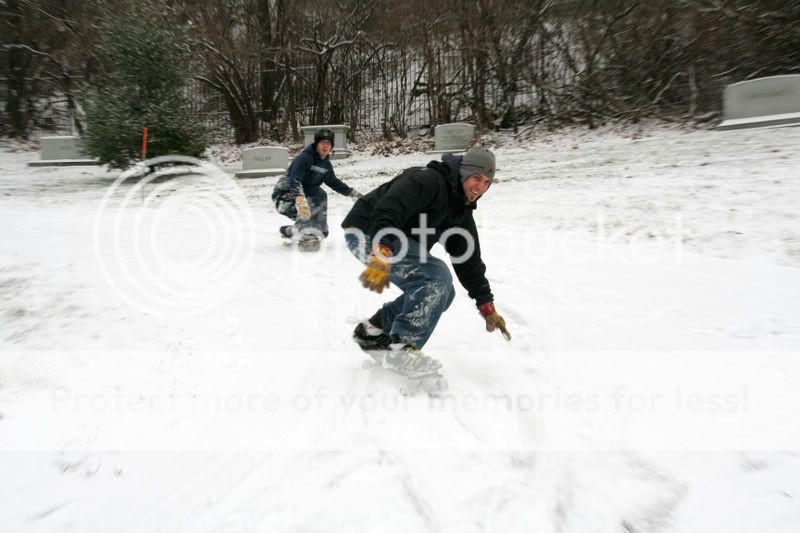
(146, 57)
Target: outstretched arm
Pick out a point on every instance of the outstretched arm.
(471, 272)
(336, 184)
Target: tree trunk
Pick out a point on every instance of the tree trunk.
(17, 69)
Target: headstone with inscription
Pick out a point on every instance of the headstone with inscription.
(453, 138)
(62, 150)
(264, 161)
(771, 101)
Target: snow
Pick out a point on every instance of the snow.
(168, 364)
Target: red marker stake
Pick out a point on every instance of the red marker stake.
(144, 144)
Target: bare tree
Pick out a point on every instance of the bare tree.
(329, 35)
(229, 43)
(42, 58)
(276, 64)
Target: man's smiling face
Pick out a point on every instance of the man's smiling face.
(475, 186)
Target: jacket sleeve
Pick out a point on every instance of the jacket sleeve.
(470, 271)
(298, 171)
(335, 183)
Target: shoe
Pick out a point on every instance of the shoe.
(370, 337)
(410, 361)
(286, 231)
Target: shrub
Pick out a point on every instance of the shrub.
(145, 56)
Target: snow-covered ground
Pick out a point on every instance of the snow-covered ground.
(167, 364)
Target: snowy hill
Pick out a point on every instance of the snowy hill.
(168, 364)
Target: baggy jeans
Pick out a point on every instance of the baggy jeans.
(317, 202)
(427, 287)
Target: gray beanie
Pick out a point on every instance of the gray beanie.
(477, 161)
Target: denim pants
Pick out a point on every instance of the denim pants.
(427, 287)
(317, 202)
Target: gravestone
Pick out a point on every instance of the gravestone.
(771, 101)
(61, 150)
(264, 161)
(340, 150)
(453, 138)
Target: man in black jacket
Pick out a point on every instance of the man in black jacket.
(392, 229)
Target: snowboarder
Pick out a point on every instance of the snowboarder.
(299, 194)
(392, 229)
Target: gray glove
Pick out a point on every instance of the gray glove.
(355, 194)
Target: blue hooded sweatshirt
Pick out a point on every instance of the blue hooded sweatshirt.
(308, 172)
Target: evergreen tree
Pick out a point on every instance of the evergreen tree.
(145, 53)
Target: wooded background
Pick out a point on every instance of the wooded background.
(263, 68)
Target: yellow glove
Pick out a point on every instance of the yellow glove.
(376, 276)
(493, 320)
(303, 211)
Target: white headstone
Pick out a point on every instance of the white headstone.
(455, 137)
(340, 150)
(61, 150)
(264, 161)
(771, 101)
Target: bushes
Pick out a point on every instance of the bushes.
(144, 52)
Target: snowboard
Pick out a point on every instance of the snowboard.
(433, 383)
(310, 245)
(304, 245)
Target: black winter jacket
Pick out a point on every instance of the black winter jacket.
(436, 191)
